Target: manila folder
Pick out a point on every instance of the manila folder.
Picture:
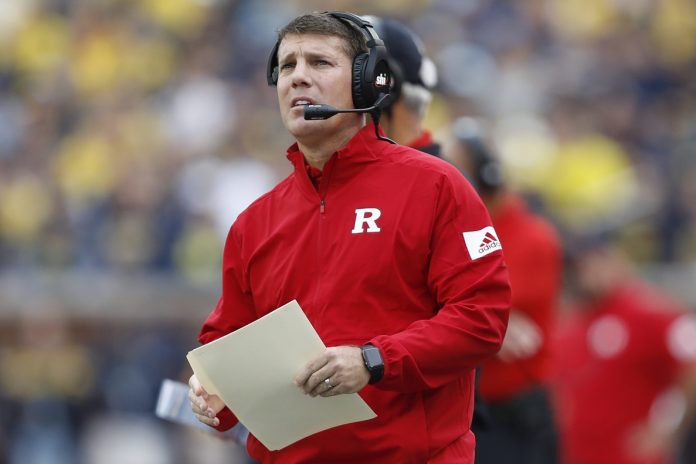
(252, 371)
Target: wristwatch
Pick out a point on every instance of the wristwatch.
(373, 362)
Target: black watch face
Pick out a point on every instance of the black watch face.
(372, 357)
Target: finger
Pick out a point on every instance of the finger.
(215, 403)
(198, 404)
(304, 376)
(211, 421)
(317, 383)
(324, 388)
(332, 391)
(196, 386)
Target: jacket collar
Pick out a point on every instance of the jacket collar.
(361, 148)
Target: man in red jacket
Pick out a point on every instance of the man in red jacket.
(389, 251)
(625, 362)
(514, 384)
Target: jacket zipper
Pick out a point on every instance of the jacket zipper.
(322, 191)
(325, 185)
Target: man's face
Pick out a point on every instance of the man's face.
(598, 271)
(314, 69)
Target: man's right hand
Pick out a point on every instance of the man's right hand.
(204, 406)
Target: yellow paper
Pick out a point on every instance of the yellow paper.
(252, 370)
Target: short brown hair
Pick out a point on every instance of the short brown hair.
(326, 24)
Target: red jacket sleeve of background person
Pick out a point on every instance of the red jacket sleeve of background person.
(395, 248)
(534, 257)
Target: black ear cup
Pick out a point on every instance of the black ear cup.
(376, 77)
(359, 64)
(272, 66)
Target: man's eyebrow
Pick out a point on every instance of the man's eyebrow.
(284, 58)
(310, 55)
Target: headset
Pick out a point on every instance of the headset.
(487, 176)
(371, 79)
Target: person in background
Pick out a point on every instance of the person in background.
(625, 362)
(414, 77)
(389, 251)
(513, 385)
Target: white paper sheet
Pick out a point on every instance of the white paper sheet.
(252, 370)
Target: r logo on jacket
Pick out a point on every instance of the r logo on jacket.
(366, 216)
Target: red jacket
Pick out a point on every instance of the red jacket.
(378, 253)
(617, 361)
(534, 257)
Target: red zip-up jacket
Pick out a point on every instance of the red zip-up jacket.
(395, 248)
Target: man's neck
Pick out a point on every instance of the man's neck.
(318, 151)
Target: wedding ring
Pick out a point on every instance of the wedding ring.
(328, 384)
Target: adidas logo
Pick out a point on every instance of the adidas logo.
(479, 243)
(488, 239)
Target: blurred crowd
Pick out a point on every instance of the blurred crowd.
(132, 133)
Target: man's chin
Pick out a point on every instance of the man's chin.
(303, 128)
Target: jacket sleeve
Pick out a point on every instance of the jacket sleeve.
(472, 292)
(535, 273)
(234, 309)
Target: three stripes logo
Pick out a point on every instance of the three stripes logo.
(479, 243)
(489, 240)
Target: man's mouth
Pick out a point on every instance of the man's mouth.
(301, 102)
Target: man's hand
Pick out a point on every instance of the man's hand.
(342, 366)
(204, 405)
(523, 338)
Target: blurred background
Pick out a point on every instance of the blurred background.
(132, 133)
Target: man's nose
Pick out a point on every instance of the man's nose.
(300, 74)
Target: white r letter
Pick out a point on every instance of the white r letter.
(367, 216)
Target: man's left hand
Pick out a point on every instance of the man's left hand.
(340, 369)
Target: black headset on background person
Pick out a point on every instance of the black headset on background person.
(487, 171)
(371, 76)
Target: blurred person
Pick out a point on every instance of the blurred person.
(401, 287)
(414, 77)
(625, 361)
(520, 426)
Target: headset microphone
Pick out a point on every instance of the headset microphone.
(318, 112)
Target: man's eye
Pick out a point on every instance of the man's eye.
(322, 62)
(286, 66)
